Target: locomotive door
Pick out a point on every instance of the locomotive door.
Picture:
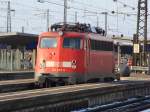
(87, 56)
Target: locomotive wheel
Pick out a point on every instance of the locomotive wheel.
(46, 83)
(118, 77)
(49, 83)
(108, 79)
(62, 83)
(93, 80)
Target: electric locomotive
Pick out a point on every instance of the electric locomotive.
(74, 53)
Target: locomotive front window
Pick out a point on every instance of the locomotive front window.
(74, 43)
(48, 43)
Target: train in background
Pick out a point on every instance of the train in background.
(74, 53)
(123, 55)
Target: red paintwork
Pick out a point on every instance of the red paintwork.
(88, 61)
(102, 62)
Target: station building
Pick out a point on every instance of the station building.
(17, 51)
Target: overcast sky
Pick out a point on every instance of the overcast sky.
(31, 14)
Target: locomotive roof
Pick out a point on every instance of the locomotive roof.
(78, 34)
(99, 37)
(79, 29)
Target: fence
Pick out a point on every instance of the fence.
(15, 59)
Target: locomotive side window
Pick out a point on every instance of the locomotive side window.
(48, 43)
(93, 44)
(101, 45)
(72, 43)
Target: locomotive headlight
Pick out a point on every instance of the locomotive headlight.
(74, 64)
(43, 64)
(60, 33)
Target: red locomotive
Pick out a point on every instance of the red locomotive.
(74, 54)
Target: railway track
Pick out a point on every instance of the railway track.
(130, 105)
(16, 85)
(38, 98)
(31, 98)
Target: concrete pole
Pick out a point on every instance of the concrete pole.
(1, 59)
(47, 25)
(8, 18)
(17, 59)
(11, 60)
(65, 11)
(76, 17)
(119, 52)
(106, 20)
(33, 58)
(5, 58)
(97, 21)
(22, 28)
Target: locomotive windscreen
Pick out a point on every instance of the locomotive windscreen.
(72, 43)
(48, 42)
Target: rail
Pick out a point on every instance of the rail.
(72, 97)
(130, 105)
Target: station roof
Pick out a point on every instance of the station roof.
(12, 38)
(123, 41)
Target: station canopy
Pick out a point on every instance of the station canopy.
(18, 39)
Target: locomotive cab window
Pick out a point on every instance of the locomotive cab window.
(74, 43)
(48, 43)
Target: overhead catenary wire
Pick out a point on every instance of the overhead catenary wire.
(125, 5)
(80, 10)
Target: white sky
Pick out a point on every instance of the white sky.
(30, 14)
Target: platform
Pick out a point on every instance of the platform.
(137, 77)
(11, 75)
(16, 85)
